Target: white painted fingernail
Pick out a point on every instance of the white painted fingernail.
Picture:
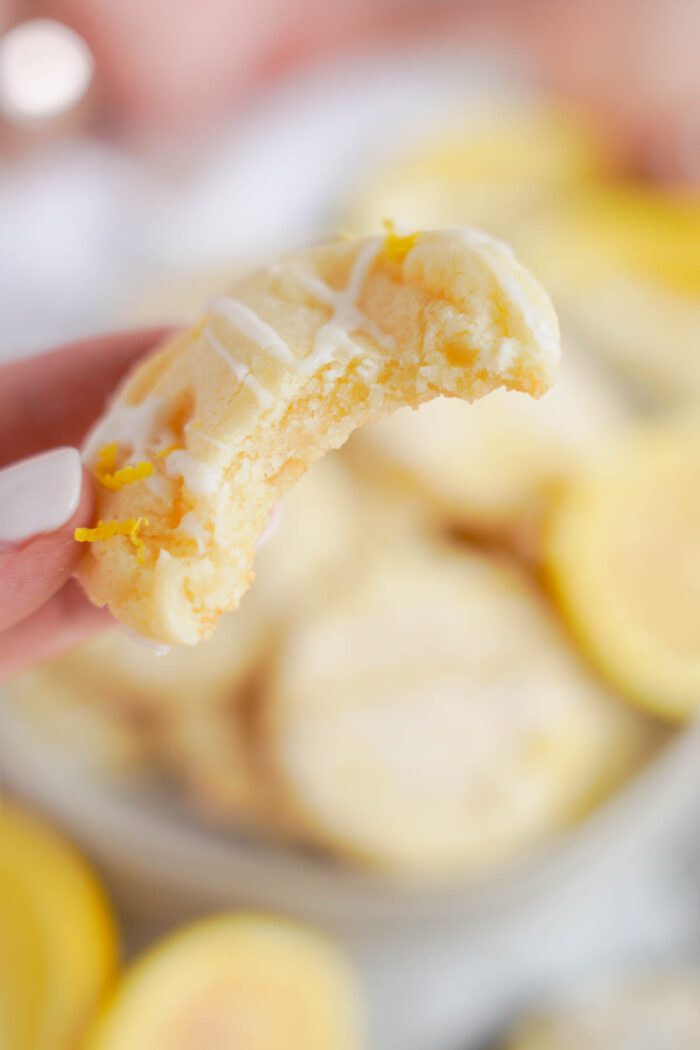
(39, 494)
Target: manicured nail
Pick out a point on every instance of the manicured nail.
(39, 494)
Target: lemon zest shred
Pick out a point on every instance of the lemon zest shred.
(126, 476)
(107, 530)
(107, 458)
(116, 479)
(397, 246)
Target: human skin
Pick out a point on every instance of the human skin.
(49, 402)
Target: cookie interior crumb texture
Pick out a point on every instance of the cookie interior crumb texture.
(218, 424)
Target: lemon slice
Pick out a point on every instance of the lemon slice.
(648, 232)
(623, 552)
(21, 956)
(57, 937)
(248, 981)
(623, 266)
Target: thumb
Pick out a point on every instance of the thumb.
(42, 500)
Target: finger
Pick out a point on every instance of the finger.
(67, 619)
(53, 399)
(42, 500)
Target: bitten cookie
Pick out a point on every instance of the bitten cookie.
(207, 434)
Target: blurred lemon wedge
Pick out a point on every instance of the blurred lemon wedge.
(623, 553)
(57, 937)
(649, 234)
(654, 234)
(247, 981)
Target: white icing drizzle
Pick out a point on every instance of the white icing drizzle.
(131, 426)
(200, 478)
(334, 335)
(228, 449)
(331, 337)
(507, 269)
(139, 428)
(191, 525)
(237, 367)
(253, 327)
(241, 371)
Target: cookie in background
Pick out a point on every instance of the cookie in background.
(640, 1012)
(314, 530)
(429, 718)
(95, 730)
(492, 469)
(123, 711)
(192, 738)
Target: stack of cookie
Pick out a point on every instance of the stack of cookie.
(473, 622)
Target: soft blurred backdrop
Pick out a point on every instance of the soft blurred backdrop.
(452, 725)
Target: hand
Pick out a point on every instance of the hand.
(47, 404)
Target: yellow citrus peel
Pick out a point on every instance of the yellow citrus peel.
(107, 530)
(117, 479)
(107, 458)
(397, 246)
(126, 476)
